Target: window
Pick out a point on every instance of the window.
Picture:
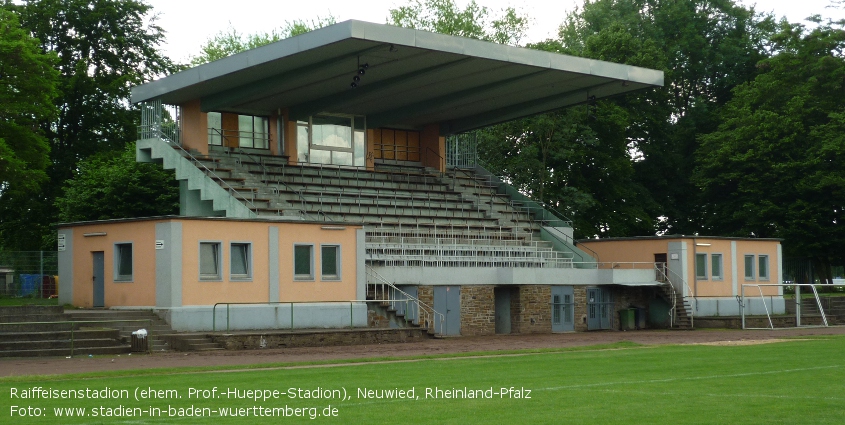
(209, 260)
(701, 266)
(330, 260)
(123, 262)
(716, 266)
(240, 256)
(252, 132)
(763, 267)
(749, 267)
(332, 139)
(303, 262)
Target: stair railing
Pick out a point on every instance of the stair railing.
(675, 277)
(660, 270)
(384, 289)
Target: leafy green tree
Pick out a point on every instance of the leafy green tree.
(26, 98)
(104, 47)
(473, 21)
(774, 167)
(228, 42)
(108, 186)
(705, 48)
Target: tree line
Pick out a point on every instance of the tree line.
(746, 138)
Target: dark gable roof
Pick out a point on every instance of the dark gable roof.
(414, 78)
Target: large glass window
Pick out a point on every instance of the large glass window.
(749, 267)
(210, 260)
(303, 262)
(330, 261)
(332, 139)
(241, 261)
(716, 266)
(123, 262)
(253, 132)
(763, 267)
(701, 266)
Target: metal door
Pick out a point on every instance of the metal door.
(503, 309)
(599, 309)
(447, 301)
(98, 279)
(563, 309)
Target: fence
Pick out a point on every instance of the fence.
(29, 274)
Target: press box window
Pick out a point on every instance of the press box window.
(210, 260)
(763, 267)
(303, 262)
(123, 262)
(701, 266)
(240, 256)
(330, 261)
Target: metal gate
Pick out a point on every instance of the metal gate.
(563, 309)
(447, 301)
(599, 309)
(461, 150)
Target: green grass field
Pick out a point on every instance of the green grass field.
(795, 382)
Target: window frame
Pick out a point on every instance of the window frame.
(746, 268)
(124, 278)
(247, 261)
(760, 260)
(702, 276)
(300, 276)
(331, 277)
(720, 262)
(219, 254)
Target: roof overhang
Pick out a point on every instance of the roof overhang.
(414, 78)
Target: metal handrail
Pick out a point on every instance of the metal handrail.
(226, 135)
(694, 296)
(429, 311)
(291, 303)
(661, 269)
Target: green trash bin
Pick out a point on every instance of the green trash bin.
(626, 319)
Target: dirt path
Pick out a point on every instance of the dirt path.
(61, 365)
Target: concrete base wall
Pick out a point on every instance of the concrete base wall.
(251, 340)
(715, 307)
(266, 317)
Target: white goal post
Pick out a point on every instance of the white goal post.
(754, 291)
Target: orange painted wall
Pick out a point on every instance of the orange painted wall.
(317, 289)
(711, 287)
(141, 290)
(194, 127)
(229, 123)
(207, 292)
(758, 248)
(433, 147)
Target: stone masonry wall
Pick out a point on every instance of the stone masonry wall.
(478, 310)
(580, 299)
(532, 305)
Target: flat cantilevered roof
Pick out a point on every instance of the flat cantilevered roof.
(413, 78)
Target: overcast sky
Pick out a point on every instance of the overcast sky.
(189, 23)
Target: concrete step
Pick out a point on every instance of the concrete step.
(77, 351)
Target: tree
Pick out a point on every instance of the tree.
(705, 48)
(774, 167)
(104, 47)
(26, 98)
(446, 17)
(228, 42)
(116, 186)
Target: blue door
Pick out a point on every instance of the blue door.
(599, 309)
(563, 309)
(447, 301)
(99, 279)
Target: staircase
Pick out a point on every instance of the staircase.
(401, 305)
(161, 336)
(30, 331)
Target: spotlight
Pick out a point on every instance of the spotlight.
(356, 78)
(365, 66)
(353, 85)
(362, 71)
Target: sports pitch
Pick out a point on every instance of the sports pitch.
(789, 382)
